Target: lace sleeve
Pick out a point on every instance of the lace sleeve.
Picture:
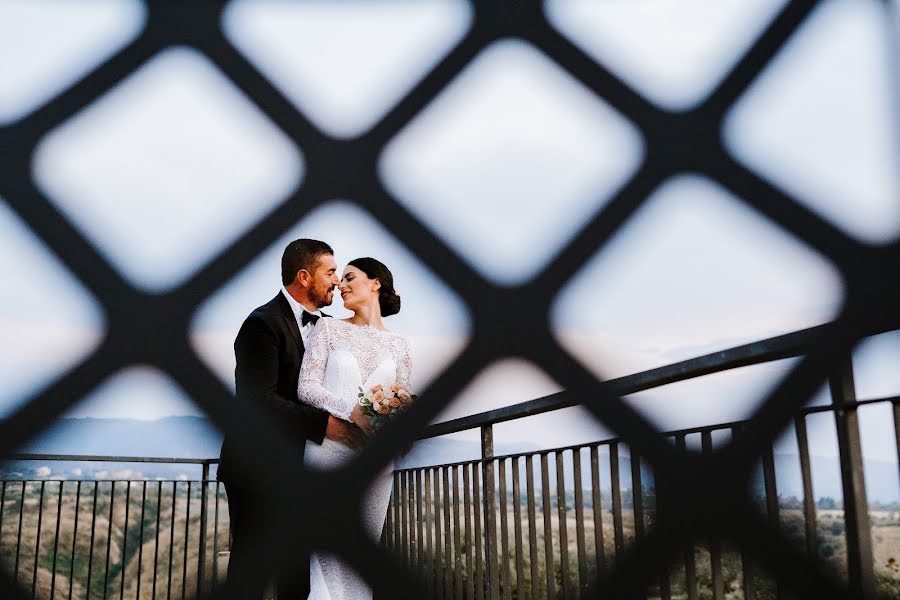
(310, 388)
(404, 366)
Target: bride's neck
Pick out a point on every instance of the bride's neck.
(367, 315)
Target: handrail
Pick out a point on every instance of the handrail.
(789, 345)
(126, 459)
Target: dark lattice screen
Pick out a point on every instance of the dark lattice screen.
(676, 142)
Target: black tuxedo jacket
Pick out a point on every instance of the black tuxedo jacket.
(269, 351)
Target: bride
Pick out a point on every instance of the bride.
(342, 356)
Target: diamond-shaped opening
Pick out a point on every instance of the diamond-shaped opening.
(694, 44)
(49, 45)
(820, 121)
(110, 524)
(693, 272)
(345, 64)
(166, 169)
(50, 322)
(510, 159)
(433, 318)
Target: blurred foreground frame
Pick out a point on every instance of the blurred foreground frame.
(676, 142)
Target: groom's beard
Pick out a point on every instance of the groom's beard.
(321, 299)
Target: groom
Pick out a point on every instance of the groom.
(269, 349)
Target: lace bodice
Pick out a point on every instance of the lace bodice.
(359, 355)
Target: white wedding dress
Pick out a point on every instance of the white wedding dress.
(340, 358)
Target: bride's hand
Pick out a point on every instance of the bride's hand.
(362, 421)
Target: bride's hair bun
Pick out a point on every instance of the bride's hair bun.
(388, 298)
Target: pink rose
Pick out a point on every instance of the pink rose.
(378, 397)
(376, 388)
(404, 396)
(395, 402)
(382, 409)
(395, 388)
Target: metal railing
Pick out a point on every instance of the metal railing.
(440, 522)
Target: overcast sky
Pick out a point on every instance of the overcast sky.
(505, 164)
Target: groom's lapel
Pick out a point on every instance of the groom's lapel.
(290, 320)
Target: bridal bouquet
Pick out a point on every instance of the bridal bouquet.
(383, 404)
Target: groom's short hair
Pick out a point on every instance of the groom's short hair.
(301, 254)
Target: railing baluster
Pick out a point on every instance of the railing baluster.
(618, 529)
(579, 525)
(172, 539)
(809, 499)
(504, 532)
(490, 508)
(215, 565)
(37, 544)
(204, 516)
(532, 528)
(517, 528)
(19, 532)
(396, 493)
(411, 508)
(2, 506)
(420, 545)
(563, 525)
(404, 521)
(125, 538)
(771, 489)
(690, 563)
(56, 542)
(112, 498)
(468, 545)
(429, 568)
(457, 534)
(448, 540)
(548, 528)
(599, 547)
(141, 539)
(479, 556)
(858, 530)
(715, 546)
(74, 539)
(156, 544)
(187, 531)
(747, 566)
(438, 546)
(93, 529)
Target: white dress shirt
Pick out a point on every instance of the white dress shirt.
(298, 314)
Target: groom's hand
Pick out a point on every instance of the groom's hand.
(344, 432)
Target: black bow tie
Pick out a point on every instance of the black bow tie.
(308, 317)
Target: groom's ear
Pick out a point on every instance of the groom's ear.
(302, 277)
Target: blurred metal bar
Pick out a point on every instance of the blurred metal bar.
(532, 527)
(563, 526)
(504, 533)
(690, 564)
(771, 489)
(56, 542)
(398, 524)
(747, 566)
(809, 499)
(411, 511)
(215, 564)
(74, 539)
(715, 546)
(616, 498)
(125, 539)
(579, 524)
(457, 534)
(548, 529)
(860, 562)
(490, 509)
(37, 544)
(467, 536)
(895, 406)
(389, 518)
(2, 506)
(599, 548)
(517, 529)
